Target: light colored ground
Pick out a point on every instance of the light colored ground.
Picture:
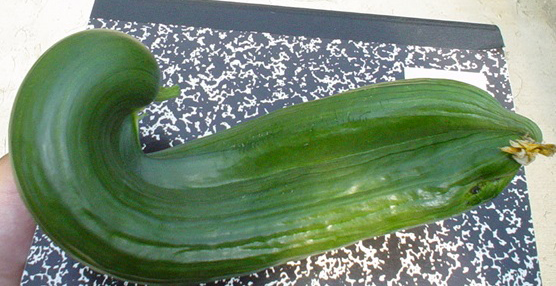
(27, 28)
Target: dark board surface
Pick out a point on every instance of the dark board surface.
(302, 22)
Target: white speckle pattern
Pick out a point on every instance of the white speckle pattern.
(228, 77)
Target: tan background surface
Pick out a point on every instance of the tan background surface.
(28, 28)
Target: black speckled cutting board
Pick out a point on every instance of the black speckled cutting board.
(235, 62)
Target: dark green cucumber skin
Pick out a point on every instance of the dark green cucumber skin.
(299, 181)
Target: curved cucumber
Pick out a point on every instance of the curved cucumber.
(296, 182)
